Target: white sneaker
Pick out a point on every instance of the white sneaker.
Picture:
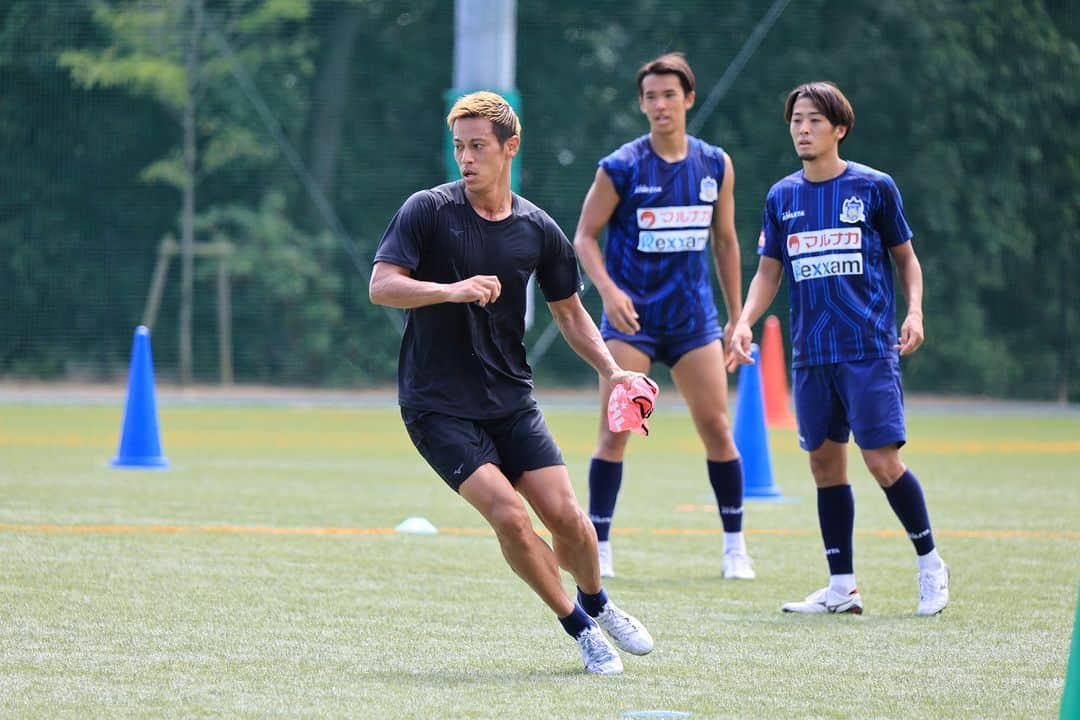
(600, 658)
(738, 566)
(629, 634)
(603, 550)
(933, 591)
(826, 600)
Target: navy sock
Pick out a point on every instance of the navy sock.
(592, 604)
(576, 622)
(836, 515)
(727, 484)
(906, 497)
(605, 478)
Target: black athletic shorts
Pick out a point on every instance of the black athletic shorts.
(455, 447)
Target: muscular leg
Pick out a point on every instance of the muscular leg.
(702, 380)
(528, 555)
(551, 496)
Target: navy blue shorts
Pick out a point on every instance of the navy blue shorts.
(668, 349)
(455, 447)
(864, 397)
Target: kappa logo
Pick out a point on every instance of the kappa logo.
(853, 212)
(708, 191)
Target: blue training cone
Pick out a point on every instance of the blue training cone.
(140, 443)
(751, 436)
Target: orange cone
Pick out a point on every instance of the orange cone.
(774, 376)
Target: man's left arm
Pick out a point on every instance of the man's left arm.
(909, 272)
(725, 248)
(577, 326)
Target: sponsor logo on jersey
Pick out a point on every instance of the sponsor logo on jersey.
(708, 189)
(852, 212)
(761, 239)
(668, 241)
(792, 214)
(647, 189)
(660, 218)
(828, 239)
(823, 266)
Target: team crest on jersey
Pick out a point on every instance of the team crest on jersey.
(708, 189)
(852, 211)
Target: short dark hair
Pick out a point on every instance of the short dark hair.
(829, 101)
(668, 64)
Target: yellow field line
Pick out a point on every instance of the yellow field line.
(264, 530)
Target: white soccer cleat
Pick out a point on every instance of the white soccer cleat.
(607, 566)
(933, 591)
(738, 566)
(599, 657)
(826, 600)
(627, 632)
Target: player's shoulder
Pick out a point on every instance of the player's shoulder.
(629, 153)
(434, 198)
(869, 174)
(705, 149)
(787, 183)
(530, 211)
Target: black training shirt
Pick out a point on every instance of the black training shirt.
(461, 359)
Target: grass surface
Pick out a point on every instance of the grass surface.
(257, 577)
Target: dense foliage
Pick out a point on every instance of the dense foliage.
(315, 119)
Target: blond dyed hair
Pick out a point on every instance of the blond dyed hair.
(489, 105)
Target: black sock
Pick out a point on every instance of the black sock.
(605, 479)
(906, 497)
(576, 622)
(726, 479)
(836, 515)
(592, 604)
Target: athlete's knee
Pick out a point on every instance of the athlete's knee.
(715, 432)
(611, 446)
(510, 522)
(885, 465)
(827, 470)
(568, 521)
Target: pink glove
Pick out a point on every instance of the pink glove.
(629, 408)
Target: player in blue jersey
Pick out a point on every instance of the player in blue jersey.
(457, 258)
(667, 200)
(836, 228)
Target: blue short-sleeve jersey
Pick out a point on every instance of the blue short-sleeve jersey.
(658, 236)
(833, 238)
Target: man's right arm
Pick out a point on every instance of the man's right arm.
(393, 286)
(599, 206)
(762, 290)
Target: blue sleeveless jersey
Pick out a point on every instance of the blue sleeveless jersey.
(833, 238)
(657, 238)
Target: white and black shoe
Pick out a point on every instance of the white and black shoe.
(627, 632)
(596, 652)
(827, 600)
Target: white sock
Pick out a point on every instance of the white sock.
(734, 542)
(842, 584)
(930, 561)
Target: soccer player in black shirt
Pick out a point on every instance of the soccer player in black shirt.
(457, 258)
